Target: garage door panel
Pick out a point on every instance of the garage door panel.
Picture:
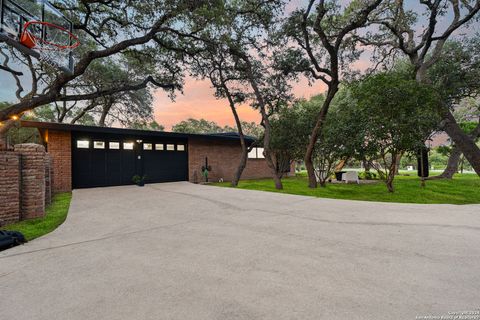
(110, 167)
(81, 168)
(165, 166)
(128, 166)
(114, 167)
(98, 168)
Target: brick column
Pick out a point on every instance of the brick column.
(48, 179)
(9, 187)
(33, 180)
(60, 149)
(3, 142)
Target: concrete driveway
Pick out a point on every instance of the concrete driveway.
(184, 251)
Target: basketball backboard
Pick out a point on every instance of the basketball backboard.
(15, 14)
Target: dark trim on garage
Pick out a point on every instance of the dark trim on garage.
(232, 136)
(116, 165)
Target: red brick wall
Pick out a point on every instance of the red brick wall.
(48, 179)
(9, 187)
(32, 189)
(223, 157)
(24, 183)
(60, 149)
(3, 142)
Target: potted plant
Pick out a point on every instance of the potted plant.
(205, 170)
(139, 180)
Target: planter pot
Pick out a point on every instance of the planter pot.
(141, 184)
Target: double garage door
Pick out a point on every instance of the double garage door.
(99, 161)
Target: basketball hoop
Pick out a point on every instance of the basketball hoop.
(52, 41)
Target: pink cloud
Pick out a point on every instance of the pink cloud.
(198, 101)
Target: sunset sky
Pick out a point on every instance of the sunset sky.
(198, 102)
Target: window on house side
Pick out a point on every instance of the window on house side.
(170, 147)
(260, 153)
(114, 145)
(252, 154)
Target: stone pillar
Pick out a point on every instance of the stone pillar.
(60, 149)
(33, 180)
(9, 187)
(48, 179)
(3, 142)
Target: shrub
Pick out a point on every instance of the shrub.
(367, 175)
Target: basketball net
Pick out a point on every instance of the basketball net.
(53, 43)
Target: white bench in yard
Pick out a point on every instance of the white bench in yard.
(350, 176)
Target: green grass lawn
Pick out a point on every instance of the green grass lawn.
(463, 189)
(55, 215)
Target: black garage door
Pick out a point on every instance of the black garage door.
(108, 160)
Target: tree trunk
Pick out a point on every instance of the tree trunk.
(397, 164)
(340, 165)
(391, 174)
(103, 116)
(241, 166)
(463, 141)
(452, 165)
(91, 106)
(243, 157)
(366, 165)
(267, 152)
(389, 183)
(332, 90)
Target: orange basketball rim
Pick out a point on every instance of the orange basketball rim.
(63, 40)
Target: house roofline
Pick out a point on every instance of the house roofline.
(123, 131)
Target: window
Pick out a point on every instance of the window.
(170, 147)
(98, 145)
(159, 146)
(256, 153)
(147, 146)
(114, 145)
(180, 147)
(83, 144)
(260, 153)
(128, 146)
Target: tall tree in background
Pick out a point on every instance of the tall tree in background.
(165, 29)
(389, 106)
(324, 33)
(196, 126)
(420, 36)
(240, 67)
(216, 65)
(455, 75)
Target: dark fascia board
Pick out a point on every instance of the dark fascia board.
(130, 132)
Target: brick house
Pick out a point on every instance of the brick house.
(87, 156)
